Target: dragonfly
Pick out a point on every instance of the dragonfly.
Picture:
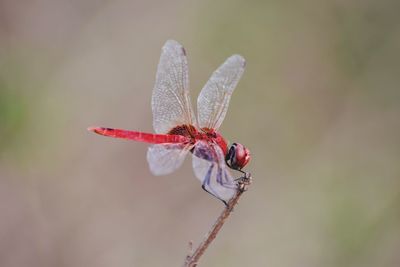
(178, 132)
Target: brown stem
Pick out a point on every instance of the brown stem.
(192, 260)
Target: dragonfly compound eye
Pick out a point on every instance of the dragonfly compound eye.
(238, 156)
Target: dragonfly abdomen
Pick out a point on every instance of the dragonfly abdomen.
(140, 136)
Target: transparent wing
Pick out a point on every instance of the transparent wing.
(210, 168)
(213, 100)
(170, 101)
(166, 158)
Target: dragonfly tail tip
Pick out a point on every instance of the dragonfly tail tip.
(93, 129)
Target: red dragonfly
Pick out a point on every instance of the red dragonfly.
(178, 132)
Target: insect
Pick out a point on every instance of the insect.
(179, 132)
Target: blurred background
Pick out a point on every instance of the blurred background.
(318, 106)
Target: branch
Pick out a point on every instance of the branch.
(192, 260)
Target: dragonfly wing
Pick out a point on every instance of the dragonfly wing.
(170, 102)
(210, 168)
(213, 101)
(166, 158)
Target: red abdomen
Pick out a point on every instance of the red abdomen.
(139, 136)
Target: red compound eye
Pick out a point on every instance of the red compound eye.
(238, 156)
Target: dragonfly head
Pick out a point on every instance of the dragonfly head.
(238, 156)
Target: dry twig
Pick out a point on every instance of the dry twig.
(193, 258)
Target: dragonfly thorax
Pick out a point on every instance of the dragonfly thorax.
(237, 157)
(185, 130)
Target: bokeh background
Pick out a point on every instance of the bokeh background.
(318, 105)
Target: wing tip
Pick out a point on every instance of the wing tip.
(172, 43)
(239, 58)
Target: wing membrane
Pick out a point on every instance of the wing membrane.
(213, 101)
(166, 158)
(210, 168)
(170, 101)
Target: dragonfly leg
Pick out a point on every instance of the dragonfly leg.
(227, 164)
(244, 181)
(245, 174)
(206, 182)
(203, 186)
